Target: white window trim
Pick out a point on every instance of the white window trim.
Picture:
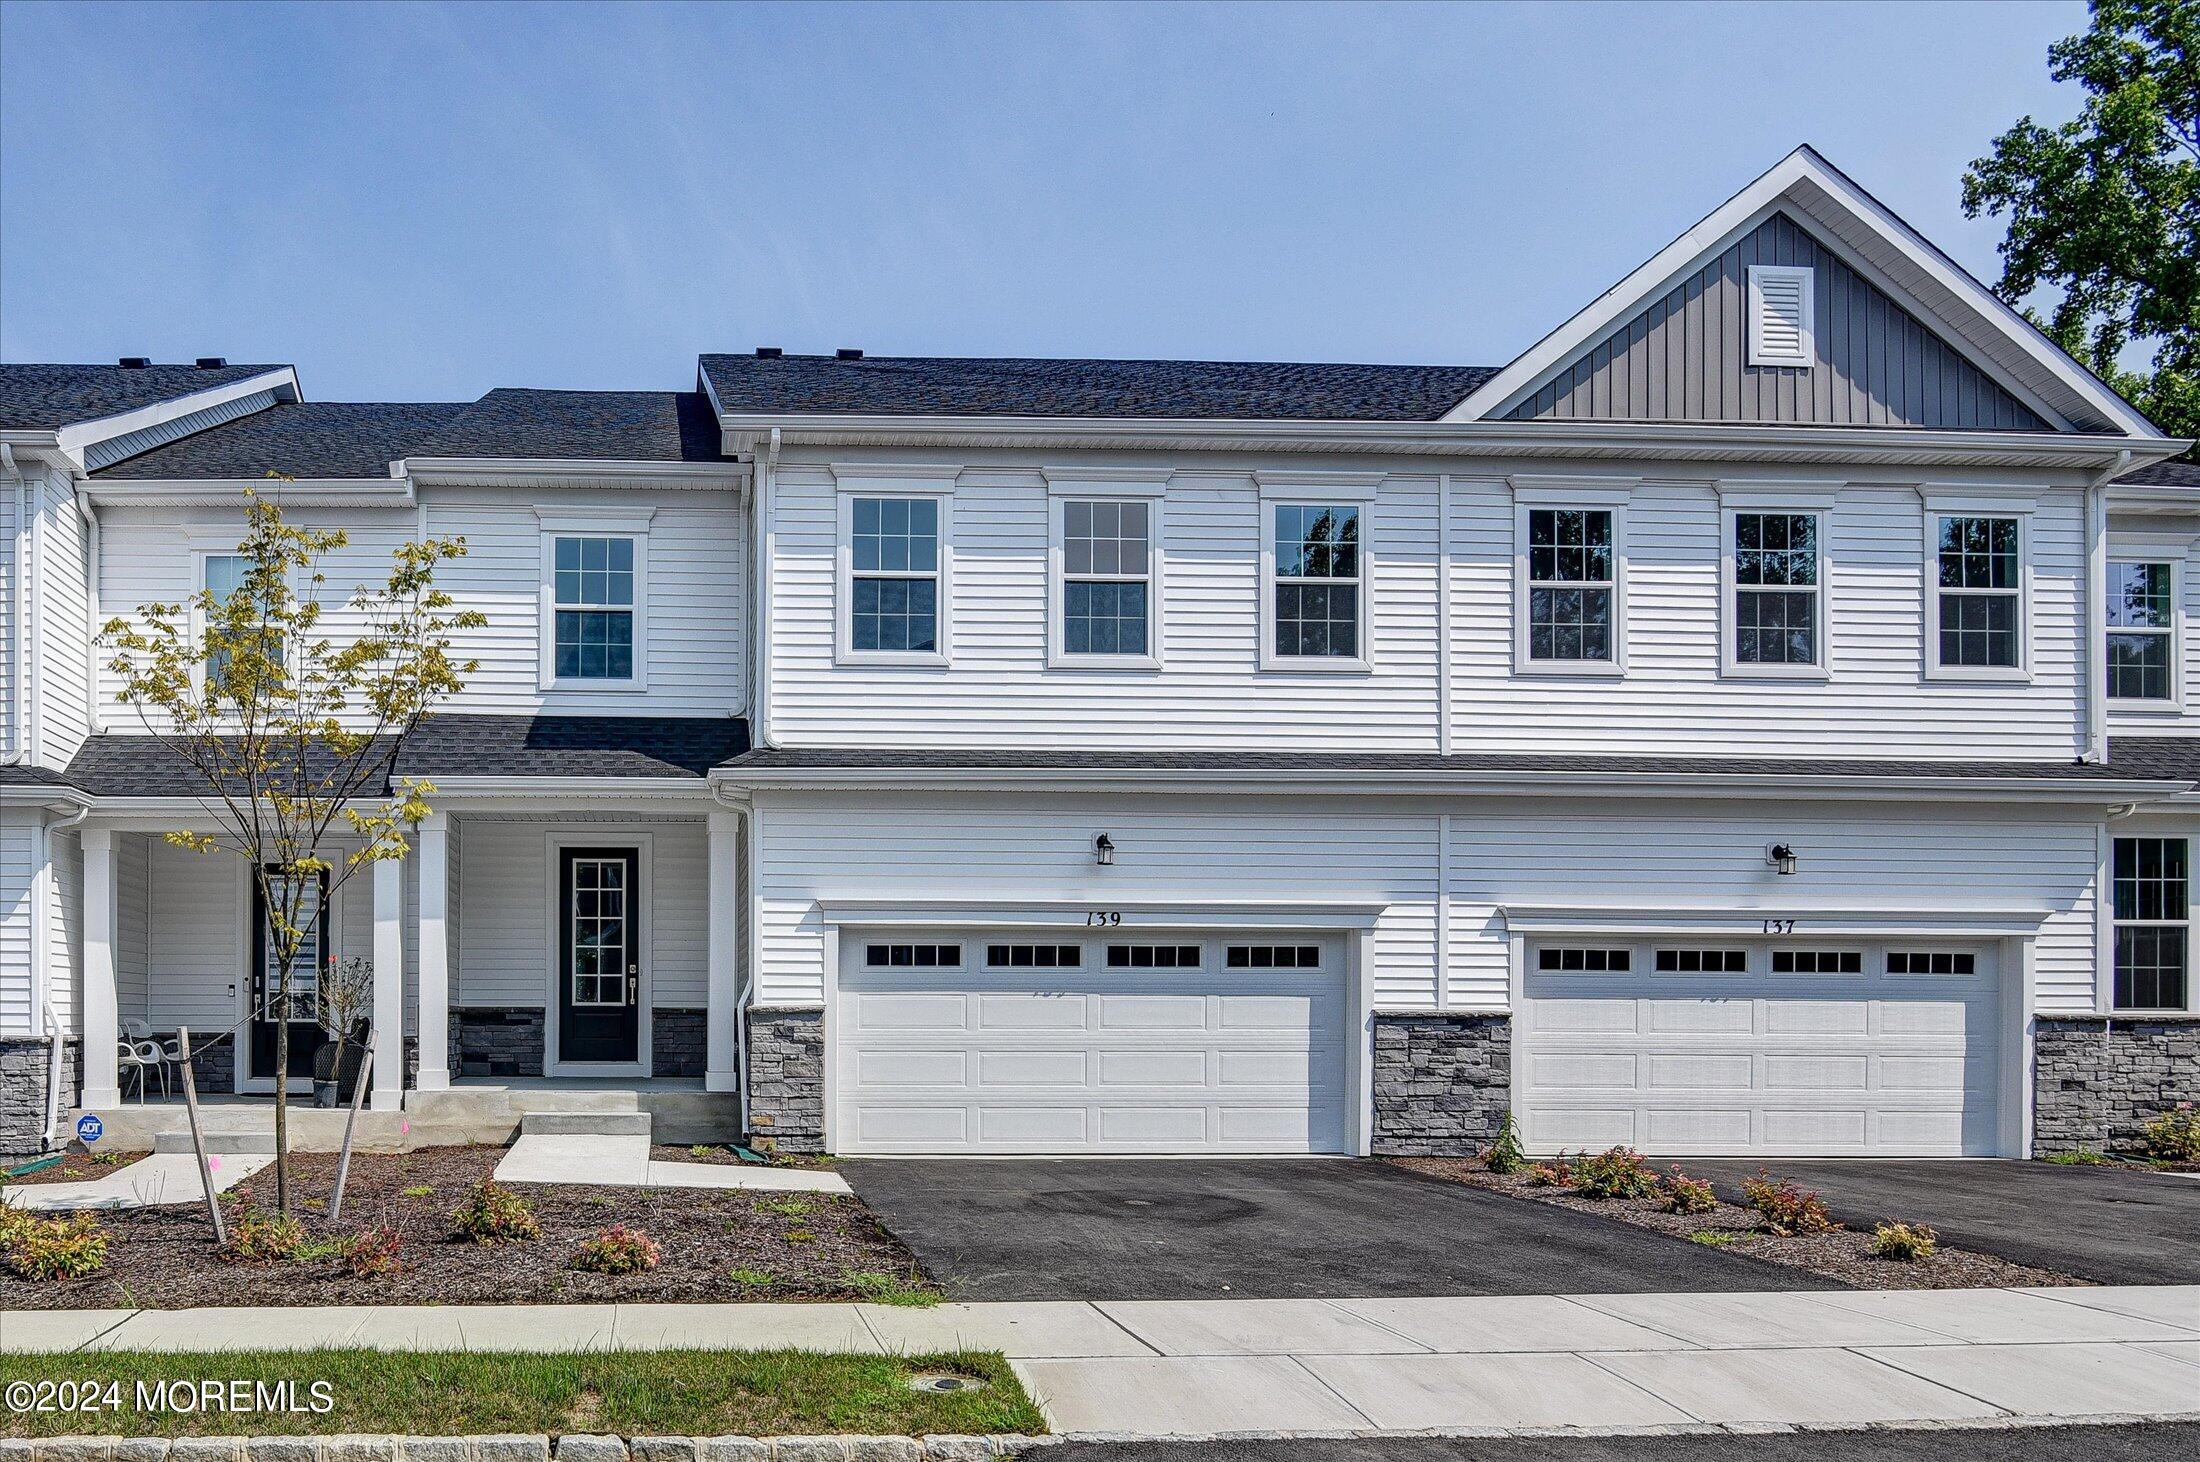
(1730, 591)
(203, 546)
(1359, 664)
(844, 599)
(1806, 353)
(1936, 510)
(1058, 655)
(1611, 500)
(552, 527)
(2110, 924)
(2125, 549)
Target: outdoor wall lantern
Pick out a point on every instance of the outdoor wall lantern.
(1103, 850)
(1781, 856)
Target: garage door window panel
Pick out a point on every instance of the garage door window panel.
(1817, 961)
(913, 956)
(2152, 910)
(1153, 957)
(1703, 961)
(1034, 956)
(1571, 959)
(1275, 957)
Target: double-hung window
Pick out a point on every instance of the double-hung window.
(2151, 898)
(1105, 594)
(2142, 632)
(221, 575)
(1976, 574)
(593, 600)
(1777, 596)
(1318, 608)
(893, 548)
(1572, 588)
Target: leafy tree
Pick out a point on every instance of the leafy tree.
(292, 732)
(2106, 208)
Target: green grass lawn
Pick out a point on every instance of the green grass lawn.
(628, 1393)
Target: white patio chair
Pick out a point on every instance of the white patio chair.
(142, 1056)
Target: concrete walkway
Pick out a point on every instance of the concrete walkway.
(621, 1161)
(164, 1177)
(1197, 1367)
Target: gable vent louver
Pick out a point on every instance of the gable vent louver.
(1782, 303)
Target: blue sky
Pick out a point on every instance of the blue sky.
(419, 202)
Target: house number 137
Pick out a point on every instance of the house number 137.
(1779, 926)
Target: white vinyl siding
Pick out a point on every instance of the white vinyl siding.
(1551, 851)
(62, 619)
(505, 957)
(65, 926)
(694, 620)
(18, 889)
(1000, 690)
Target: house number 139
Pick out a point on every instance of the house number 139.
(1102, 918)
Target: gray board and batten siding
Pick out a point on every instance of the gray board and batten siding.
(1685, 358)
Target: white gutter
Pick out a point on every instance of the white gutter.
(226, 492)
(1465, 782)
(18, 630)
(703, 475)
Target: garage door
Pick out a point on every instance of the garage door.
(1754, 1049)
(1164, 1043)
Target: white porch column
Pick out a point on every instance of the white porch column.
(98, 1014)
(434, 1017)
(722, 898)
(389, 985)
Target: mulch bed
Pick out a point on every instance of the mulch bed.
(804, 1243)
(1842, 1254)
(78, 1167)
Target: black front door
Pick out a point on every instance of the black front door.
(305, 978)
(599, 955)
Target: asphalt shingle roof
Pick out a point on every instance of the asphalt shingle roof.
(49, 397)
(465, 745)
(2163, 474)
(627, 426)
(461, 745)
(23, 776)
(340, 439)
(947, 386)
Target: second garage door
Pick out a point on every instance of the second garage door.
(1752, 1049)
(1162, 1043)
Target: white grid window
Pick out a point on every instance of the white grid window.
(1978, 592)
(2152, 910)
(2142, 631)
(598, 931)
(1107, 578)
(1776, 589)
(1572, 585)
(1319, 574)
(592, 590)
(894, 575)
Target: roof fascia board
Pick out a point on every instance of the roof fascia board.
(1502, 392)
(567, 789)
(1137, 913)
(331, 492)
(1467, 783)
(1472, 438)
(76, 436)
(53, 795)
(1593, 920)
(552, 471)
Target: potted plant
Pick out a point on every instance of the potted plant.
(346, 1005)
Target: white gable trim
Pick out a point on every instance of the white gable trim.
(1996, 337)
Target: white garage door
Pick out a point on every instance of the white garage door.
(1158, 1043)
(1753, 1049)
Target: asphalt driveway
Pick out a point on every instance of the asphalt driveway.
(1161, 1229)
(2112, 1225)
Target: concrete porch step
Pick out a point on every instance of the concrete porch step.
(584, 1124)
(179, 1140)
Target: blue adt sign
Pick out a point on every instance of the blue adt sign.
(89, 1128)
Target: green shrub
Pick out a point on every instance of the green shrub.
(262, 1236)
(1684, 1194)
(13, 1221)
(1904, 1241)
(495, 1215)
(2175, 1136)
(1787, 1210)
(1504, 1155)
(1617, 1172)
(374, 1252)
(750, 1278)
(43, 1249)
(1556, 1173)
(618, 1250)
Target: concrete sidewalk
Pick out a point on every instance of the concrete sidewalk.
(1198, 1367)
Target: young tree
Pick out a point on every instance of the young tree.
(293, 733)
(2106, 208)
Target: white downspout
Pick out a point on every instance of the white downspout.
(2096, 609)
(19, 750)
(41, 958)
